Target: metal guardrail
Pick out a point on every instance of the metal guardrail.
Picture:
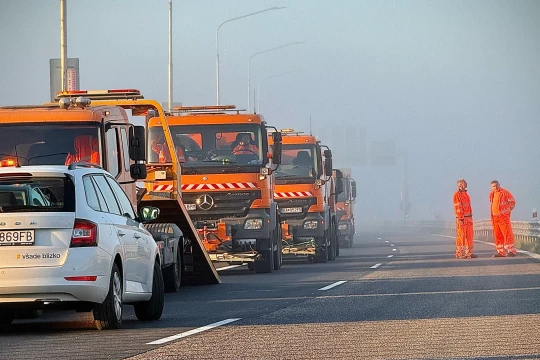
(526, 233)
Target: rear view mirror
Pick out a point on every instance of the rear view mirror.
(353, 189)
(277, 137)
(276, 150)
(339, 181)
(137, 144)
(148, 213)
(137, 171)
(328, 162)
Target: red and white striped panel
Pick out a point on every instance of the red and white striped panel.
(163, 187)
(222, 186)
(340, 208)
(291, 194)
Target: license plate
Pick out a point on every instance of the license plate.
(291, 210)
(17, 237)
(191, 207)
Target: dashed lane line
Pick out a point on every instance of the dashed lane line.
(394, 249)
(390, 256)
(192, 332)
(328, 287)
(375, 266)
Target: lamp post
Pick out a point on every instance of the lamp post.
(268, 78)
(262, 52)
(217, 42)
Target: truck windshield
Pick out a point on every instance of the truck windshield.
(49, 144)
(298, 161)
(37, 194)
(209, 145)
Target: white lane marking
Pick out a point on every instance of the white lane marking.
(394, 249)
(192, 332)
(392, 245)
(431, 293)
(387, 241)
(379, 239)
(228, 267)
(375, 266)
(390, 255)
(333, 285)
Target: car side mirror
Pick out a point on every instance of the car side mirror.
(137, 171)
(148, 213)
(137, 144)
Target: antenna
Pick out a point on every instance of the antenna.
(310, 132)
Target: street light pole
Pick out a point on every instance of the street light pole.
(63, 44)
(170, 59)
(258, 53)
(265, 79)
(217, 42)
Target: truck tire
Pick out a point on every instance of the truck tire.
(266, 264)
(321, 253)
(336, 238)
(108, 314)
(331, 252)
(152, 309)
(172, 275)
(278, 254)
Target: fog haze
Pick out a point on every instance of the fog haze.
(456, 84)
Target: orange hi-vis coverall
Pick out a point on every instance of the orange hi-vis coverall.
(464, 223)
(502, 203)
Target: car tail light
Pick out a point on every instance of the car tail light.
(84, 234)
(81, 278)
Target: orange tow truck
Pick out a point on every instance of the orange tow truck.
(227, 181)
(345, 208)
(184, 257)
(306, 193)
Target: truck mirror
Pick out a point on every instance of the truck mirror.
(353, 189)
(328, 166)
(276, 152)
(137, 171)
(137, 143)
(148, 213)
(277, 137)
(339, 181)
(327, 153)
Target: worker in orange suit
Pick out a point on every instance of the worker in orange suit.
(502, 203)
(464, 222)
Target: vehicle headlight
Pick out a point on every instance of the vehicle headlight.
(253, 224)
(343, 226)
(311, 224)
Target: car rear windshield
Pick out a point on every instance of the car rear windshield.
(36, 194)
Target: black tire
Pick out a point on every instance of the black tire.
(266, 264)
(331, 252)
(251, 266)
(29, 314)
(278, 254)
(321, 254)
(108, 315)
(6, 318)
(172, 275)
(152, 309)
(336, 239)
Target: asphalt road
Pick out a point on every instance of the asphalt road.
(388, 297)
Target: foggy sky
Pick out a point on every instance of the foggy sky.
(456, 84)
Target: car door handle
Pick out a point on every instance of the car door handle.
(136, 236)
(121, 233)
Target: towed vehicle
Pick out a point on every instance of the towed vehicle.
(70, 239)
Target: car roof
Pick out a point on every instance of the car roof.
(50, 170)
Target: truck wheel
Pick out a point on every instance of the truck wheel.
(6, 318)
(172, 275)
(321, 254)
(153, 308)
(108, 314)
(278, 254)
(336, 239)
(266, 264)
(331, 252)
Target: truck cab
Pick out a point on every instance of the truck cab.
(305, 192)
(345, 208)
(227, 181)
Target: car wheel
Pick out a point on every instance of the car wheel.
(108, 314)
(6, 318)
(153, 308)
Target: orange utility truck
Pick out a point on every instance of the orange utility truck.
(345, 209)
(306, 195)
(227, 180)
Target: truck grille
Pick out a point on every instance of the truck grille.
(304, 203)
(214, 205)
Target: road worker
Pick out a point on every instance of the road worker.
(86, 150)
(244, 145)
(502, 203)
(464, 222)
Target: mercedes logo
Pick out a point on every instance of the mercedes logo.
(205, 202)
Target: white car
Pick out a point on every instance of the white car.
(70, 239)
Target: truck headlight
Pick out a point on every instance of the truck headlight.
(253, 224)
(311, 224)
